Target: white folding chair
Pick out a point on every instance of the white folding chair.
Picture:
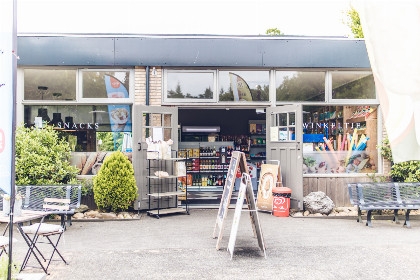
(45, 230)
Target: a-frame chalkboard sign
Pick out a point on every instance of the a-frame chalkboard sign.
(245, 191)
(238, 160)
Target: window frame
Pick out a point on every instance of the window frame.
(325, 71)
(331, 100)
(79, 86)
(175, 101)
(246, 103)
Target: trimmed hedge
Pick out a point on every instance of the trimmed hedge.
(114, 186)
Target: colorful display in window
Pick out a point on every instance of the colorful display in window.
(339, 139)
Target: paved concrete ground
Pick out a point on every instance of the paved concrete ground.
(181, 247)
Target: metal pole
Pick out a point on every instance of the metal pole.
(147, 85)
(12, 184)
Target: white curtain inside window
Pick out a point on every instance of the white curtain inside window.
(392, 34)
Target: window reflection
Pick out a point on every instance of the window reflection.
(244, 86)
(300, 86)
(49, 84)
(190, 85)
(106, 84)
(353, 85)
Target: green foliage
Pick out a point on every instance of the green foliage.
(178, 93)
(115, 187)
(87, 187)
(42, 158)
(299, 87)
(4, 263)
(408, 171)
(353, 21)
(385, 149)
(107, 139)
(274, 32)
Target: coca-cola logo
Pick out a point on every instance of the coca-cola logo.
(2, 141)
(115, 83)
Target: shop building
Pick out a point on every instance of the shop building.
(273, 98)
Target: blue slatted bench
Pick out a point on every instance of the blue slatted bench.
(385, 196)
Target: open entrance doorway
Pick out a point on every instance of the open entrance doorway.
(209, 136)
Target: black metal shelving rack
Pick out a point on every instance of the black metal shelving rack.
(158, 182)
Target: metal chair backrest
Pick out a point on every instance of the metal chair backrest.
(56, 204)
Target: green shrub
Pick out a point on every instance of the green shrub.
(408, 171)
(4, 264)
(42, 158)
(87, 187)
(114, 186)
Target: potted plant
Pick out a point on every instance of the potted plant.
(18, 204)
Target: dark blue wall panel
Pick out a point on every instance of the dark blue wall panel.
(192, 51)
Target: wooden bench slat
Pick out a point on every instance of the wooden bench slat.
(57, 207)
(57, 200)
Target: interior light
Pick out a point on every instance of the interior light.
(207, 129)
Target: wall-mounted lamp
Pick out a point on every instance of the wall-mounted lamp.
(154, 72)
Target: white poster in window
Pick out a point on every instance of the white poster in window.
(274, 133)
(157, 134)
(283, 135)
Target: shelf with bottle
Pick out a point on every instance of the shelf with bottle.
(199, 180)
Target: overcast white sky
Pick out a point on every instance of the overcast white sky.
(224, 17)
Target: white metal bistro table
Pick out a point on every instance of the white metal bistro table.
(28, 216)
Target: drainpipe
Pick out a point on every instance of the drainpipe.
(147, 84)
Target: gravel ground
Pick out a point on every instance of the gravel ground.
(181, 247)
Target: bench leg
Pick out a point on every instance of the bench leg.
(359, 215)
(69, 220)
(396, 216)
(369, 217)
(407, 218)
(63, 221)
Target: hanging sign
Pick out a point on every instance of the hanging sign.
(237, 161)
(6, 93)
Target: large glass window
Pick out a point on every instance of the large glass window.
(105, 84)
(49, 84)
(89, 128)
(244, 86)
(352, 85)
(340, 139)
(190, 85)
(300, 86)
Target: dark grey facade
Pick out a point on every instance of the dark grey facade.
(192, 51)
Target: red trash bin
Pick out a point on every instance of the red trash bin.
(281, 201)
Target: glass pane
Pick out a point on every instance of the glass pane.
(300, 86)
(292, 136)
(47, 84)
(147, 132)
(156, 120)
(244, 85)
(342, 141)
(353, 85)
(106, 84)
(146, 119)
(95, 127)
(167, 134)
(282, 119)
(190, 85)
(283, 134)
(167, 120)
(291, 118)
